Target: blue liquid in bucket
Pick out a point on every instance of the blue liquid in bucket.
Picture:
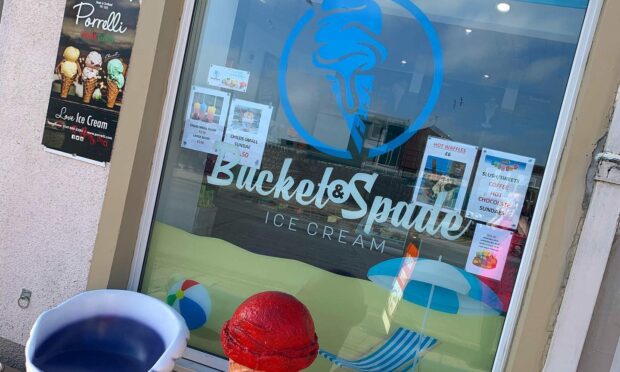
(106, 343)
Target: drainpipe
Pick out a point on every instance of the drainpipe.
(591, 257)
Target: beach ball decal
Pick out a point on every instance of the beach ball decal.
(191, 299)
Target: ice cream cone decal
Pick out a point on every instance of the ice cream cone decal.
(116, 80)
(68, 69)
(350, 58)
(270, 332)
(90, 75)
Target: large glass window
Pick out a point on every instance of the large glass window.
(381, 160)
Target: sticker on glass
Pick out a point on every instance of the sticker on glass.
(229, 78)
(499, 189)
(247, 130)
(446, 170)
(488, 252)
(205, 120)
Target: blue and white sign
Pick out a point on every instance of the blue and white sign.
(349, 52)
(499, 190)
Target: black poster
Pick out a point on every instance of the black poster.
(90, 77)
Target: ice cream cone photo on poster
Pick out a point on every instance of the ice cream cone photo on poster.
(68, 70)
(85, 79)
(116, 80)
(90, 75)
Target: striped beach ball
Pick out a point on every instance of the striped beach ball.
(191, 299)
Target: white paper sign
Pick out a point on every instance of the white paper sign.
(446, 168)
(229, 78)
(205, 119)
(248, 128)
(499, 190)
(489, 252)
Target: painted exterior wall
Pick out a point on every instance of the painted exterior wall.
(604, 334)
(49, 205)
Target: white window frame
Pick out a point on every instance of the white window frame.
(568, 107)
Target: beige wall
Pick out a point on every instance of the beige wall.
(49, 205)
(135, 146)
(604, 334)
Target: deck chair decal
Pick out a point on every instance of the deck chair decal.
(400, 352)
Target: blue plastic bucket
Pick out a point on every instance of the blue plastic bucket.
(107, 330)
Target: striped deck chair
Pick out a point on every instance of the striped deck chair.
(401, 352)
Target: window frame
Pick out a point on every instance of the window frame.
(547, 187)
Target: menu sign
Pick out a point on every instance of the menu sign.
(247, 130)
(499, 189)
(446, 171)
(205, 120)
(488, 252)
(90, 77)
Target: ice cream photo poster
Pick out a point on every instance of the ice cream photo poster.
(90, 78)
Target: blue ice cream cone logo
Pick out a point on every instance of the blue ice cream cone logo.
(349, 51)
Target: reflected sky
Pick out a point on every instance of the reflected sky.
(505, 74)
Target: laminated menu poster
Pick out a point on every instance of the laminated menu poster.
(499, 189)
(247, 130)
(445, 173)
(205, 120)
(489, 252)
(89, 77)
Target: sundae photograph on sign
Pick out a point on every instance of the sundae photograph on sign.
(90, 76)
(247, 130)
(246, 119)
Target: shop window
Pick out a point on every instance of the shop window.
(381, 160)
